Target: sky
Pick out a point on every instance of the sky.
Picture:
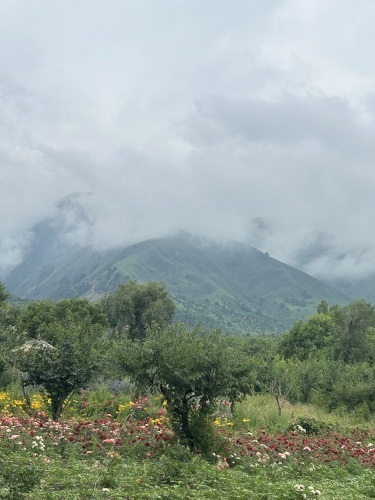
(250, 119)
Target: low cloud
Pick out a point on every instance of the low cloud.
(253, 122)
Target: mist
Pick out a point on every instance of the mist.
(252, 121)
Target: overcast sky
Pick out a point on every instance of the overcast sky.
(248, 119)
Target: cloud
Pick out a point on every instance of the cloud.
(197, 116)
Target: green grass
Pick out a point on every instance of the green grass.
(170, 478)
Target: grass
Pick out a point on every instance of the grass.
(129, 452)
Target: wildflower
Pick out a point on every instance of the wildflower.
(313, 491)
(299, 487)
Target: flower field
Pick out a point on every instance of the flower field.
(131, 452)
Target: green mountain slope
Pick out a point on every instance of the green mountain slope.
(231, 285)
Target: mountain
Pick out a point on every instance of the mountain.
(228, 285)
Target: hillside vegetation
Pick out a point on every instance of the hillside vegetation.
(228, 285)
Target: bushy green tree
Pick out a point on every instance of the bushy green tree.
(10, 336)
(3, 292)
(191, 369)
(308, 338)
(355, 325)
(134, 307)
(64, 349)
(354, 387)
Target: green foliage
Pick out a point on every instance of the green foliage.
(323, 307)
(278, 377)
(354, 387)
(18, 477)
(174, 466)
(309, 425)
(191, 369)
(134, 307)
(4, 295)
(342, 333)
(309, 338)
(45, 319)
(355, 322)
(65, 350)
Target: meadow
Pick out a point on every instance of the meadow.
(120, 447)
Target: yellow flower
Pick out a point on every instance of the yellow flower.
(245, 420)
(157, 421)
(18, 402)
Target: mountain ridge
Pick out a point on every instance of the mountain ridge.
(229, 284)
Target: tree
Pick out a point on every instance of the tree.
(3, 293)
(311, 337)
(134, 307)
(10, 336)
(191, 369)
(278, 378)
(64, 350)
(322, 307)
(354, 326)
(354, 388)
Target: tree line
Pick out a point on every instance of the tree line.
(61, 347)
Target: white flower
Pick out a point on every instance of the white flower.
(299, 487)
